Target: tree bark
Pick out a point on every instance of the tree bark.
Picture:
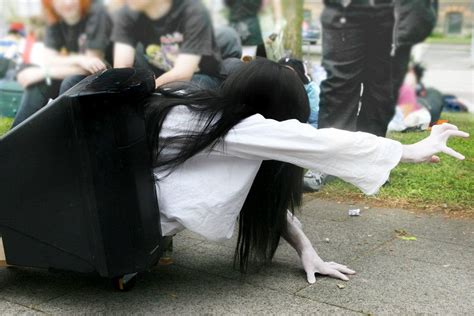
(293, 13)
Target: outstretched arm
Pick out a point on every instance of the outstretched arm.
(312, 263)
(60, 67)
(183, 70)
(358, 158)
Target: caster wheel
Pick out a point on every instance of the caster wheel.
(125, 283)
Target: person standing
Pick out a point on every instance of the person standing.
(366, 60)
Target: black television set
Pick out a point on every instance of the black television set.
(77, 190)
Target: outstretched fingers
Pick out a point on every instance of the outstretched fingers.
(342, 268)
(450, 133)
(447, 126)
(311, 275)
(331, 269)
(445, 136)
(338, 275)
(438, 129)
(452, 152)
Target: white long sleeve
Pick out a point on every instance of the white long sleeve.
(206, 193)
(359, 158)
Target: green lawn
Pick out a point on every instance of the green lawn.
(449, 40)
(5, 124)
(439, 38)
(447, 186)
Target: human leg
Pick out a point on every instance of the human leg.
(378, 102)
(70, 82)
(344, 49)
(34, 98)
(206, 81)
(229, 43)
(399, 68)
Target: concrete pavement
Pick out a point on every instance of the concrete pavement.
(430, 275)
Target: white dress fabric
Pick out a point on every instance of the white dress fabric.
(206, 193)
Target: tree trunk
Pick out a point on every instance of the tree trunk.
(293, 13)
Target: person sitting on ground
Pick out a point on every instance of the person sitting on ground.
(237, 153)
(76, 42)
(177, 37)
(313, 180)
(410, 114)
(433, 99)
(310, 86)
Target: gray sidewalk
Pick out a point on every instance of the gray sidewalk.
(431, 275)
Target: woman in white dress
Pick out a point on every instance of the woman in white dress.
(237, 155)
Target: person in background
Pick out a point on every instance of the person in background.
(366, 49)
(311, 88)
(313, 180)
(77, 42)
(410, 114)
(10, 50)
(243, 17)
(176, 37)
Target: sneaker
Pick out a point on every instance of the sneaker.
(313, 181)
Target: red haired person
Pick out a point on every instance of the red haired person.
(76, 43)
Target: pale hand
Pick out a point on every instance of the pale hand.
(312, 264)
(29, 76)
(91, 64)
(426, 149)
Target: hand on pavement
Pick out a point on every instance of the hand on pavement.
(313, 264)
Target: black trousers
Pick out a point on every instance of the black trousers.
(37, 96)
(356, 55)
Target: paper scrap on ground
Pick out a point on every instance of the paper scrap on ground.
(354, 212)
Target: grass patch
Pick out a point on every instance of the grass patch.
(439, 38)
(5, 124)
(446, 187)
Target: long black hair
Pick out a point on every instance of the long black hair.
(263, 87)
